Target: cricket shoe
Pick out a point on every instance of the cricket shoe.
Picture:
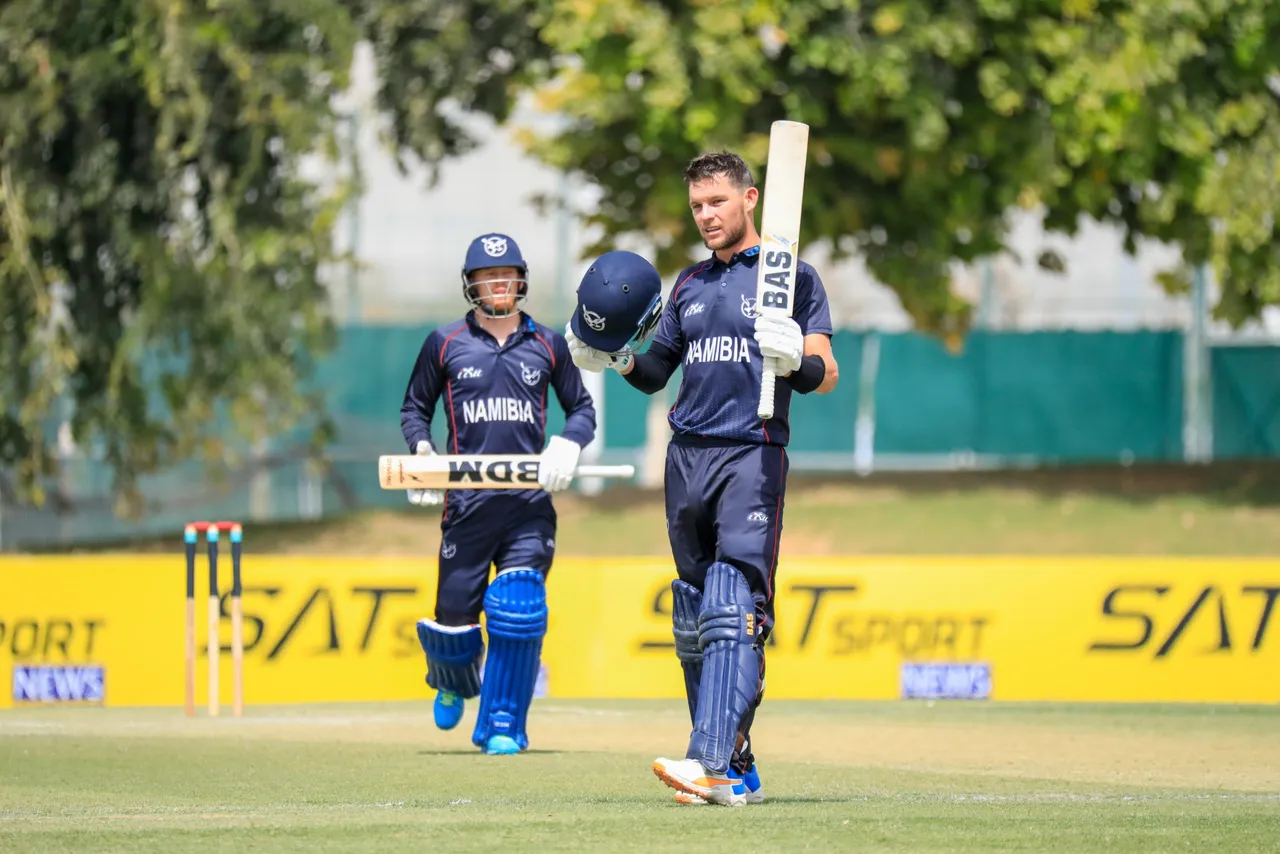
(501, 745)
(750, 783)
(447, 709)
(690, 777)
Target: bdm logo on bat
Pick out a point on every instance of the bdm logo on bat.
(498, 471)
(67, 683)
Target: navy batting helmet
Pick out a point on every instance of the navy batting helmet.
(494, 250)
(619, 303)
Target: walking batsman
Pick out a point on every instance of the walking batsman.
(726, 469)
(493, 369)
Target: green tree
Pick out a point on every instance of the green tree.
(162, 243)
(932, 121)
(161, 247)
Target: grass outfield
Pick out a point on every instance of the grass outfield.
(964, 777)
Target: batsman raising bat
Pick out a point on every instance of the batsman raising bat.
(726, 468)
(493, 369)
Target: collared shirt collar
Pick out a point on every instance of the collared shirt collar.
(525, 327)
(747, 255)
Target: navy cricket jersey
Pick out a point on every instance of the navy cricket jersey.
(709, 320)
(495, 398)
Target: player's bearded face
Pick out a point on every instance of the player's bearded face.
(720, 211)
(497, 287)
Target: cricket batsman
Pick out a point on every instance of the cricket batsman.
(726, 470)
(493, 369)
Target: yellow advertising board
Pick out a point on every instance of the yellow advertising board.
(1071, 629)
(342, 628)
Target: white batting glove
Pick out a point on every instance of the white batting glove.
(780, 338)
(557, 463)
(591, 359)
(425, 497)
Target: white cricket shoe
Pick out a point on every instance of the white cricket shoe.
(750, 781)
(690, 777)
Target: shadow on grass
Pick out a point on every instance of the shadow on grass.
(475, 751)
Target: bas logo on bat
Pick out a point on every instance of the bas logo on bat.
(781, 205)
(779, 268)
(499, 471)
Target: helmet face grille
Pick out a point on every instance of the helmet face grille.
(471, 292)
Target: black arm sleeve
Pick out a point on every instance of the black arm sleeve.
(809, 376)
(653, 368)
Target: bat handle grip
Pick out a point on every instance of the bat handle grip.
(767, 381)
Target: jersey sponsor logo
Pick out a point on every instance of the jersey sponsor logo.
(694, 310)
(470, 373)
(530, 375)
(497, 409)
(717, 348)
(757, 516)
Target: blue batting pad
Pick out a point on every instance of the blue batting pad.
(515, 608)
(453, 657)
(727, 633)
(686, 603)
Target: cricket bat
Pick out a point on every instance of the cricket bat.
(780, 235)
(474, 471)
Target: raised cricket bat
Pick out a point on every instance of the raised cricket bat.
(780, 234)
(474, 471)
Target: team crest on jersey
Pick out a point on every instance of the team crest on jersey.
(749, 307)
(494, 247)
(530, 375)
(448, 549)
(595, 321)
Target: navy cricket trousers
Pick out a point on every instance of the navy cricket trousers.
(724, 505)
(503, 531)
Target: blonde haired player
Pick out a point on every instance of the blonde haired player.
(494, 370)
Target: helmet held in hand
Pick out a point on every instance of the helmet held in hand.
(619, 303)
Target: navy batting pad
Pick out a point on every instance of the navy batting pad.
(515, 608)
(686, 603)
(453, 657)
(727, 633)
